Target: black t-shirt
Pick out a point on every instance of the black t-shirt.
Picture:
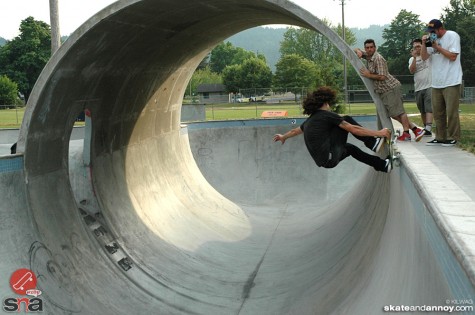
(316, 130)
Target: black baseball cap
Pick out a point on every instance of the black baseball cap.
(433, 25)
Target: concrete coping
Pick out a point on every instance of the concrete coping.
(453, 210)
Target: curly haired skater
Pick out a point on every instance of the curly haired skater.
(317, 98)
(326, 134)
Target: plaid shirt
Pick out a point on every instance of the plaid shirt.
(378, 65)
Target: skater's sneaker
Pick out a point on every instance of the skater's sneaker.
(449, 143)
(378, 144)
(427, 133)
(435, 142)
(404, 137)
(419, 133)
(387, 166)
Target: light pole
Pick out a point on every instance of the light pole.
(54, 19)
(343, 31)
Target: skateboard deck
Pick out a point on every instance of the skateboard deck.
(394, 152)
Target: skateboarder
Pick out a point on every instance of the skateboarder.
(326, 134)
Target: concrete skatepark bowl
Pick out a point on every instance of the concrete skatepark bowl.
(170, 220)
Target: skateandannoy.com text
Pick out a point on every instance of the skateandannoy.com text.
(430, 308)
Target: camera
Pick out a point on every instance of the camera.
(432, 37)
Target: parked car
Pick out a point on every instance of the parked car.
(243, 100)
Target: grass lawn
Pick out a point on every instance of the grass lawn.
(12, 118)
(254, 110)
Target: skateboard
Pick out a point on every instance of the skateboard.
(394, 152)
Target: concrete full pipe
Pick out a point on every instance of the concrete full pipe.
(139, 229)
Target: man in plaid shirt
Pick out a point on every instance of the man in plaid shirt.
(388, 88)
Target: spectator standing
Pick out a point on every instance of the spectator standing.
(388, 88)
(421, 69)
(446, 81)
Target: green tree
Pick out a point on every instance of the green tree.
(255, 73)
(225, 54)
(350, 37)
(397, 41)
(460, 17)
(232, 78)
(252, 73)
(464, 29)
(23, 58)
(203, 76)
(295, 73)
(457, 11)
(8, 91)
(320, 50)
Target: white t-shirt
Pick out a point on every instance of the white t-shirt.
(446, 73)
(423, 74)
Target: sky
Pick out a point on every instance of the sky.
(358, 13)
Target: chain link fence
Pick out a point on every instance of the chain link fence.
(468, 96)
(247, 103)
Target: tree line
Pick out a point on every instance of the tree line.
(22, 59)
(307, 58)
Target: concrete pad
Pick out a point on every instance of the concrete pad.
(169, 220)
(297, 238)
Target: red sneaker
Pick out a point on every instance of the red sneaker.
(419, 133)
(404, 137)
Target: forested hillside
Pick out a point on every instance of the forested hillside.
(266, 40)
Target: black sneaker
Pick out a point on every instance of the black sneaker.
(435, 142)
(427, 133)
(449, 143)
(378, 144)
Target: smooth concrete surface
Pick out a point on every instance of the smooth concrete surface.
(282, 237)
(8, 137)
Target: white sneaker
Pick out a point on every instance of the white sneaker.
(378, 144)
(388, 166)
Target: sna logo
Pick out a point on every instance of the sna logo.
(23, 282)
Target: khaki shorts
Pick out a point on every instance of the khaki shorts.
(392, 100)
(424, 100)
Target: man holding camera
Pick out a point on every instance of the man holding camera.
(421, 69)
(443, 46)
